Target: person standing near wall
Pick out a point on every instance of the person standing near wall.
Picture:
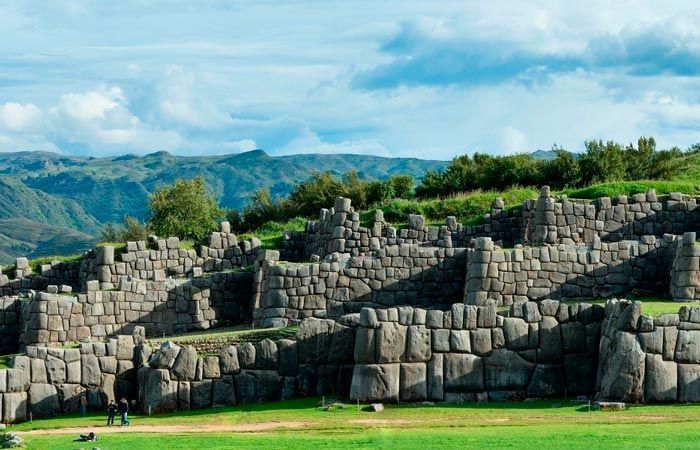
(82, 401)
(124, 411)
(111, 412)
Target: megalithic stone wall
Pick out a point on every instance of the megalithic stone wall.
(649, 359)
(49, 381)
(561, 271)
(685, 271)
(472, 353)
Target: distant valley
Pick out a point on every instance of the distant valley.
(55, 204)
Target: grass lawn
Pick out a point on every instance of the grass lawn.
(650, 305)
(241, 333)
(300, 424)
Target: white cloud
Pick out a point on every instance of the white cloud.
(17, 117)
(180, 102)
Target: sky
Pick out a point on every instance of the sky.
(405, 78)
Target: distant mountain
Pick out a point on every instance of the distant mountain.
(69, 194)
(546, 155)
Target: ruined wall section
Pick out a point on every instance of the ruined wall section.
(406, 274)
(646, 359)
(471, 353)
(562, 271)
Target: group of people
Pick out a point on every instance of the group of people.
(122, 408)
(112, 409)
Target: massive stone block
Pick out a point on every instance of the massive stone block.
(223, 392)
(581, 373)
(165, 356)
(688, 347)
(365, 348)
(390, 342)
(660, 379)
(516, 333)
(287, 357)
(90, 370)
(266, 355)
(185, 364)
(548, 380)
(435, 378)
(14, 407)
(623, 370)
(418, 344)
(43, 400)
(413, 384)
(228, 359)
(463, 372)
(200, 394)
(550, 348)
(689, 383)
(505, 370)
(375, 382)
(160, 392)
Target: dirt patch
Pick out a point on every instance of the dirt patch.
(240, 428)
(381, 421)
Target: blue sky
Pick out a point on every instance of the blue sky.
(392, 78)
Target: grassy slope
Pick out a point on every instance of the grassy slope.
(550, 424)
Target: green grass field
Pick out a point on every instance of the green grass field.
(300, 424)
(650, 305)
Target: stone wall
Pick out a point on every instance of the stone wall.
(649, 359)
(49, 381)
(685, 271)
(602, 269)
(406, 274)
(161, 307)
(471, 353)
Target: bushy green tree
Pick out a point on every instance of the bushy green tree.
(602, 162)
(131, 229)
(185, 209)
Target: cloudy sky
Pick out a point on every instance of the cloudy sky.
(401, 78)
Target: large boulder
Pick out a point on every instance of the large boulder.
(287, 350)
(550, 349)
(200, 394)
(375, 383)
(314, 338)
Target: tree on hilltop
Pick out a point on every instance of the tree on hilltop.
(185, 209)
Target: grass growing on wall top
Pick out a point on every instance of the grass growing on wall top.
(630, 188)
(652, 306)
(270, 234)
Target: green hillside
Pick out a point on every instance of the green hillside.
(35, 239)
(83, 193)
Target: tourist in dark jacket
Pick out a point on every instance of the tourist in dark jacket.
(111, 412)
(124, 411)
